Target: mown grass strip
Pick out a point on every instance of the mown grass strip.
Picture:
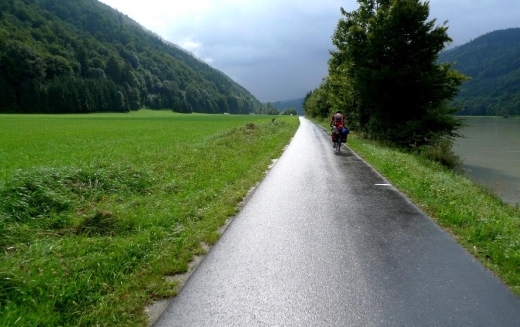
(479, 220)
(97, 209)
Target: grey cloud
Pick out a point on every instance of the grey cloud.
(469, 19)
(279, 49)
(278, 52)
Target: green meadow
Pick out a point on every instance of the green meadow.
(97, 211)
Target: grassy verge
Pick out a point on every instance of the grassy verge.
(480, 221)
(96, 210)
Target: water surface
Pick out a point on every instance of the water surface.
(491, 154)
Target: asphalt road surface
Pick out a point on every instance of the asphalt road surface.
(325, 241)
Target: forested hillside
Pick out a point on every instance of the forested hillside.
(493, 63)
(82, 56)
(287, 104)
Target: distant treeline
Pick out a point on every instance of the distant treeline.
(82, 56)
(296, 104)
(493, 63)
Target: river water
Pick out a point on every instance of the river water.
(491, 153)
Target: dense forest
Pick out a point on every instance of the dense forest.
(493, 63)
(80, 56)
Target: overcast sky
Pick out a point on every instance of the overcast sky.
(278, 49)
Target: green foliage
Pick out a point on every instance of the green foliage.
(441, 152)
(290, 112)
(294, 103)
(268, 109)
(492, 63)
(316, 103)
(128, 201)
(46, 42)
(384, 74)
(78, 95)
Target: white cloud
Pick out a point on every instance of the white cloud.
(190, 45)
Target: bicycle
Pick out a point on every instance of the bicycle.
(336, 139)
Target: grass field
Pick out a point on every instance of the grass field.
(95, 210)
(480, 221)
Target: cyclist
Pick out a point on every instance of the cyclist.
(337, 119)
(337, 122)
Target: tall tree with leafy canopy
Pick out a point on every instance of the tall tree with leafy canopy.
(386, 62)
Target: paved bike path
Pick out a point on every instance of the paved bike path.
(324, 241)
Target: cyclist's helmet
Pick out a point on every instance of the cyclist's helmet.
(338, 112)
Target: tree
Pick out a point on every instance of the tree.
(386, 61)
(181, 105)
(269, 109)
(317, 102)
(22, 70)
(290, 112)
(7, 97)
(113, 69)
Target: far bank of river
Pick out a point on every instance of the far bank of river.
(491, 153)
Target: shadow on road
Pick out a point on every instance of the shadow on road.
(345, 153)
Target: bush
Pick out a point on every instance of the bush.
(441, 152)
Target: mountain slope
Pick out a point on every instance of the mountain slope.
(288, 104)
(493, 63)
(83, 56)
